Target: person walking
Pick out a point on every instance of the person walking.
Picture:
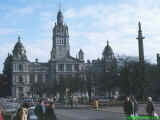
(150, 108)
(97, 104)
(71, 101)
(50, 114)
(134, 106)
(75, 101)
(40, 110)
(127, 107)
(22, 113)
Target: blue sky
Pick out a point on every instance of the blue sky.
(91, 23)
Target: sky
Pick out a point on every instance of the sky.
(91, 23)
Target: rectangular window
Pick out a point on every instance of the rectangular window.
(32, 78)
(21, 89)
(20, 67)
(61, 67)
(21, 79)
(40, 77)
(69, 67)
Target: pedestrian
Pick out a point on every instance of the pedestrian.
(97, 104)
(50, 114)
(150, 108)
(40, 110)
(134, 106)
(54, 99)
(71, 101)
(1, 114)
(127, 107)
(75, 101)
(22, 113)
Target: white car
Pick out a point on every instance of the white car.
(11, 107)
(31, 114)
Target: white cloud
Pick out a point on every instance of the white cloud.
(70, 13)
(7, 31)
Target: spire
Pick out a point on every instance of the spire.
(60, 15)
(140, 35)
(19, 38)
(107, 42)
(60, 7)
(139, 25)
(140, 43)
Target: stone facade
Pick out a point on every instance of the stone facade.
(60, 63)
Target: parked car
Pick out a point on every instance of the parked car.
(11, 107)
(31, 114)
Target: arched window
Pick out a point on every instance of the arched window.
(20, 67)
(20, 79)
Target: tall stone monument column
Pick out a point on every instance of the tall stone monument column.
(140, 44)
(142, 81)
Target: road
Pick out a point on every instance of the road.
(84, 114)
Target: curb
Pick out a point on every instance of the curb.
(143, 114)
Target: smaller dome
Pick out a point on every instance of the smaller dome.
(81, 54)
(19, 50)
(80, 51)
(108, 50)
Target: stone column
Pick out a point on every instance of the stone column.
(73, 70)
(65, 68)
(56, 67)
(28, 79)
(16, 67)
(44, 78)
(35, 78)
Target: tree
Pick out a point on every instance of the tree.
(89, 83)
(108, 79)
(3, 86)
(133, 79)
(7, 72)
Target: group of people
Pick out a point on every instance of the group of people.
(71, 101)
(42, 111)
(45, 113)
(131, 107)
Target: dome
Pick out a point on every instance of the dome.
(80, 51)
(19, 50)
(108, 51)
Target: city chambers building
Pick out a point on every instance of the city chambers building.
(60, 64)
